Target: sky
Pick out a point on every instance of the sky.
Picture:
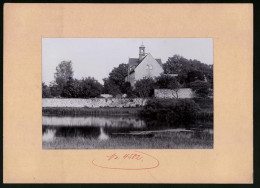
(96, 57)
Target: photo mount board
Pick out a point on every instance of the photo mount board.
(230, 26)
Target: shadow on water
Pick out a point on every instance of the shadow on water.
(106, 127)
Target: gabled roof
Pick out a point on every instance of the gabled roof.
(159, 61)
(134, 62)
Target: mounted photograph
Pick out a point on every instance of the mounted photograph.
(127, 93)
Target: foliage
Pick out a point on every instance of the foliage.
(68, 87)
(194, 75)
(171, 110)
(206, 104)
(118, 74)
(84, 88)
(145, 87)
(129, 90)
(188, 70)
(201, 88)
(110, 87)
(176, 65)
(68, 90)
(46, 91)
(90, 88)
(115, 83)
(56, 89)
(78, 111)
(63, 73)
(167, 82)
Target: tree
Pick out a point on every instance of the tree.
(90, 88)
(68, 87)
(188, 70)
(84, 88)
(194, 75)
(63, 73)
(46, 92)
(201, 88)
(71, 89)
(110, 87)
(115, 83)
(145, 87)
(176, 65)
(55, 89)
(118, 74)
(168, 82)
(128, 90)
(171, 111)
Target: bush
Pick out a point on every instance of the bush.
(46, 91)
(188, 70)
(194, 75)
(167, 82)
(201, 88)
(84, 88)
(110, 87)
(90, 88)
(171, 110)
(145, 87)
(206, 104)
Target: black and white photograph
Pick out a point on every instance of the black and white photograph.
(127, 93)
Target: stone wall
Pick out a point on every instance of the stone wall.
(115, 102)
(183, 93)
(93, 103)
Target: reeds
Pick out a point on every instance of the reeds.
(67, 111)
(204, 116)
(158, 141)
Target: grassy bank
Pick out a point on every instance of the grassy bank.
(206, 109)
(205, 104)
(67, 111)
(202, 109)
(158, 141)
(174, 111)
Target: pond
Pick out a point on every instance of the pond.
(121, 132)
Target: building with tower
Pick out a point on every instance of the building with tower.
(144, 66)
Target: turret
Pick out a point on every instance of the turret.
(141, 51)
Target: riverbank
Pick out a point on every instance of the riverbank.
(165, 140)
(67, 111)
(205, 112)
(124, 128)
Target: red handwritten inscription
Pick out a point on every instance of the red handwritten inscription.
(136, 160)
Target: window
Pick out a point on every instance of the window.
(149, 67)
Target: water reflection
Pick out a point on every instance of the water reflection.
(103, 135)
(103, 128)
(94, 121)
(48, 135)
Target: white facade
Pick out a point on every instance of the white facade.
(149, 68)
(143, 67)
